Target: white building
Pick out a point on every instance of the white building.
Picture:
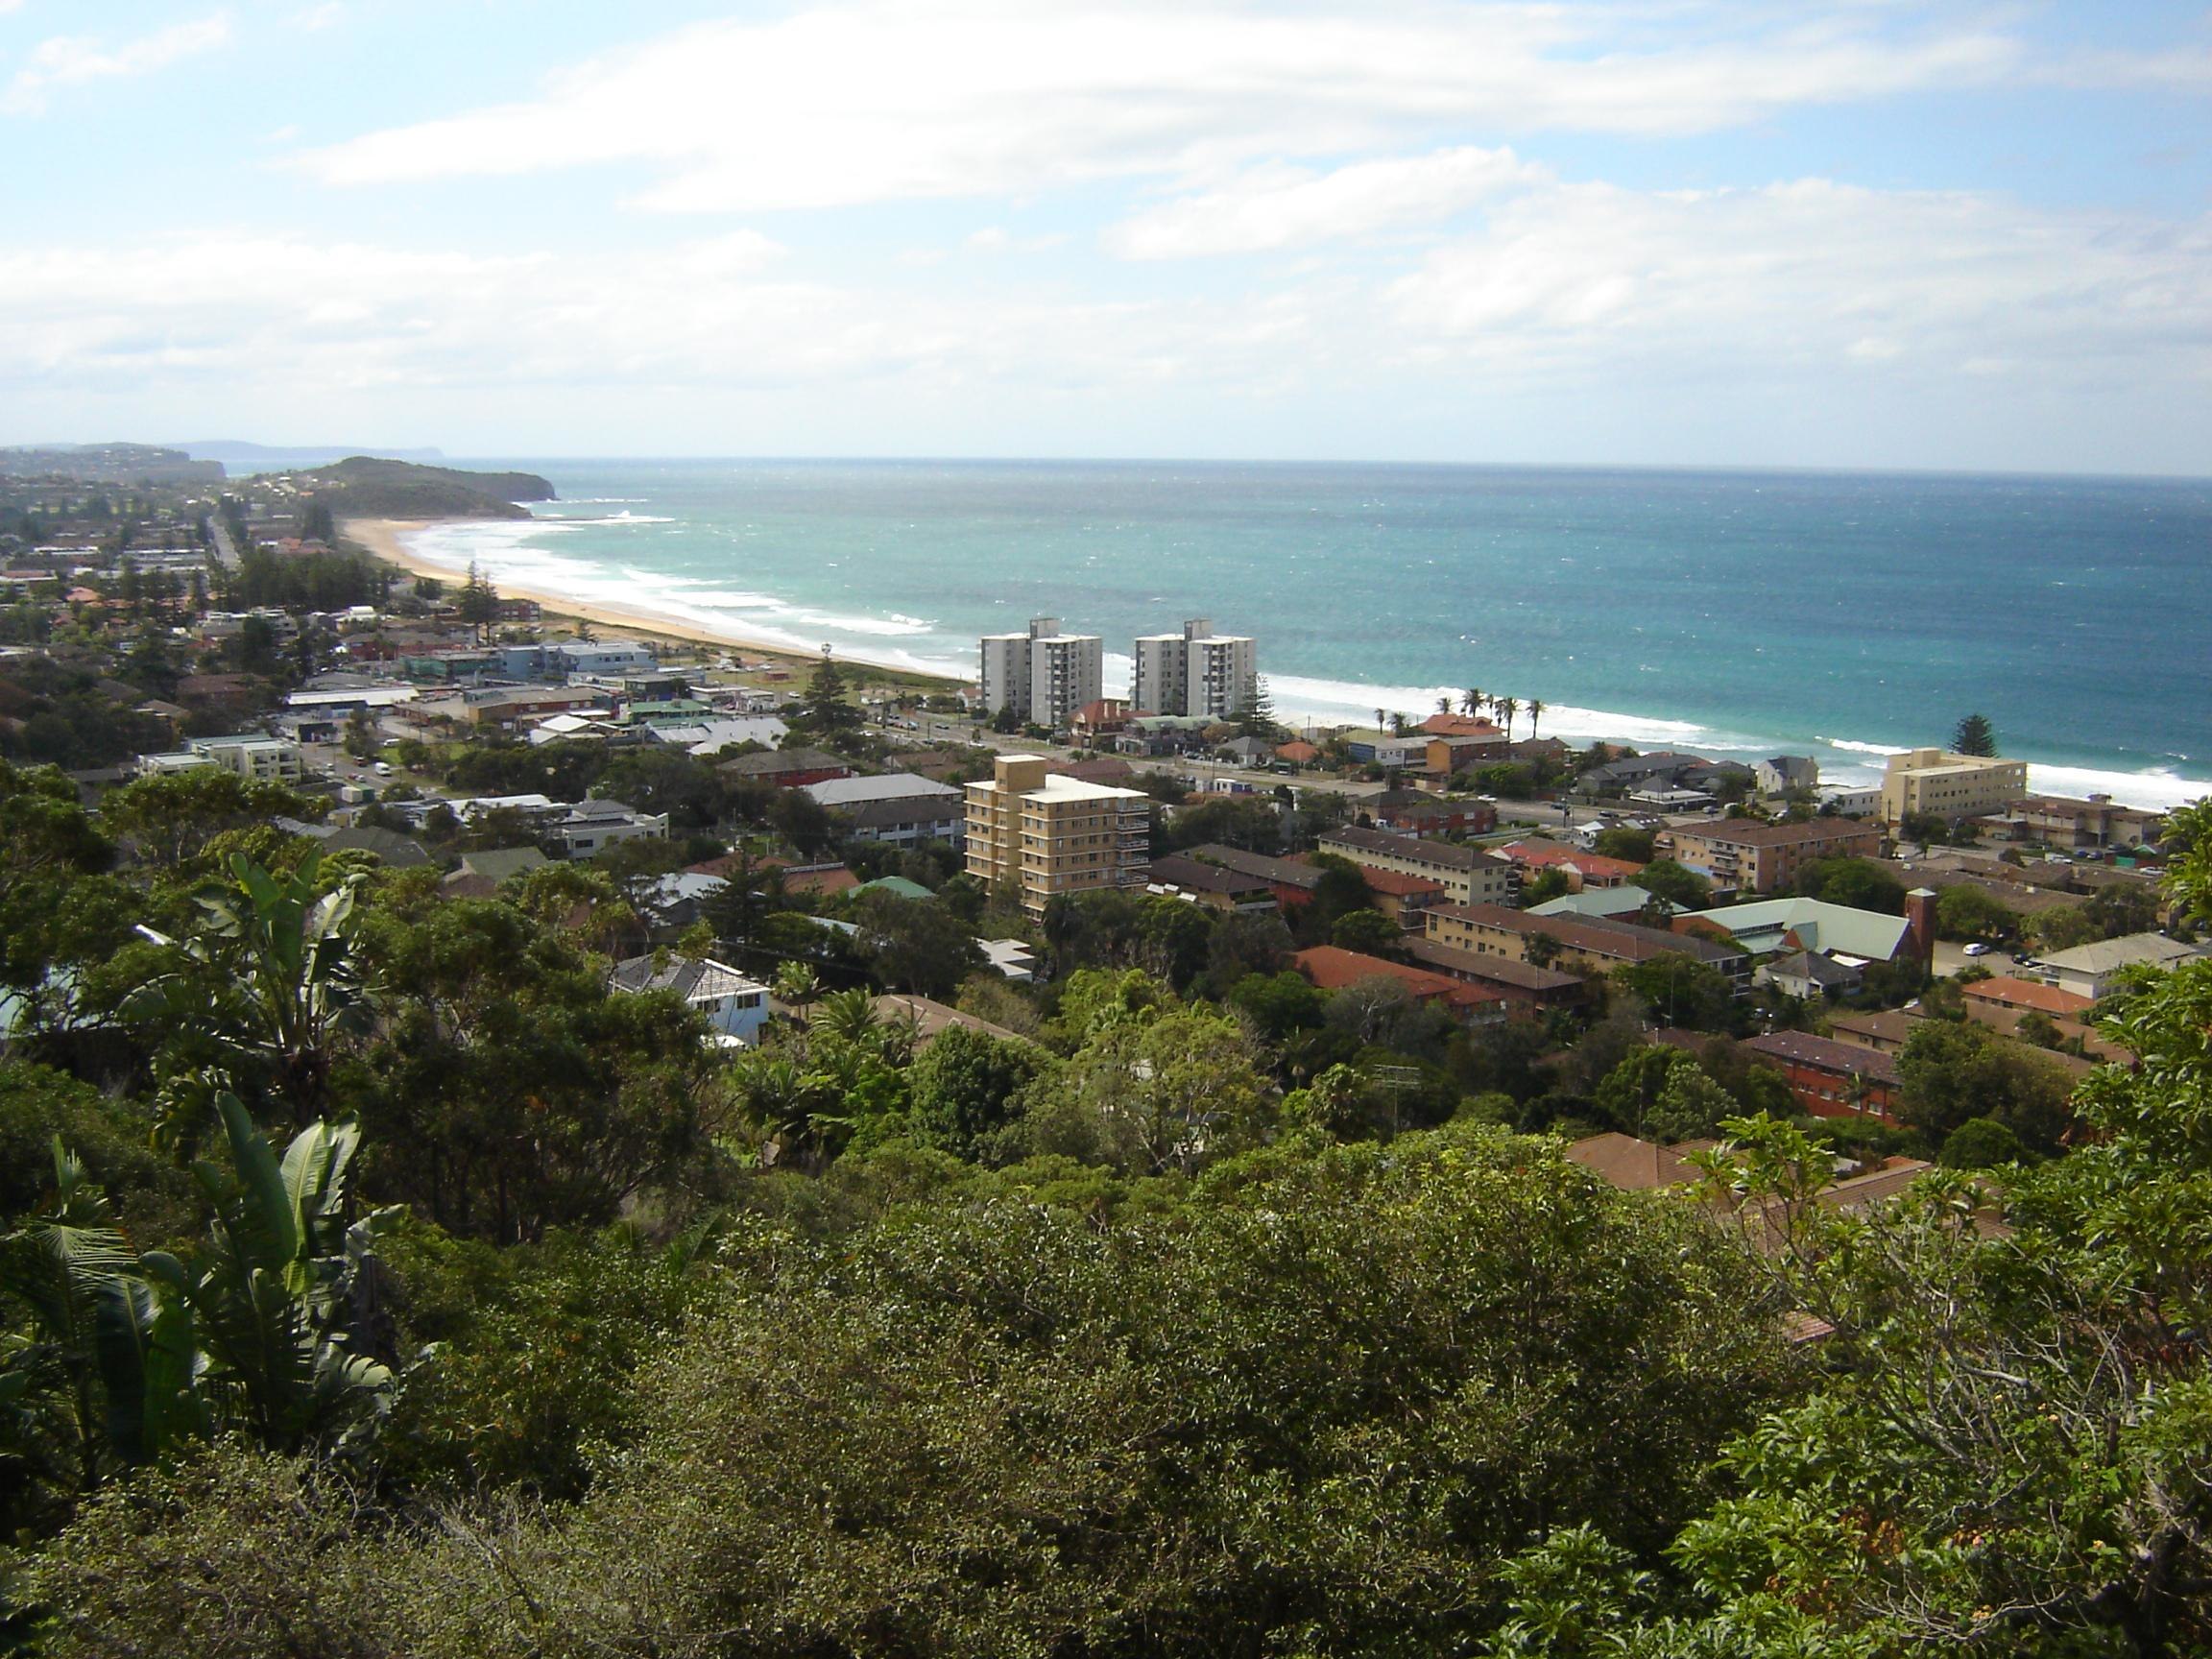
(1195, 672)
(264, 760)
(2090, 969)
(735, 1006)
(603, 657)
(1044, 675)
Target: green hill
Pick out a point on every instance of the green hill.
(367, 486)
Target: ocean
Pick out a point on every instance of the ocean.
(1842, 615)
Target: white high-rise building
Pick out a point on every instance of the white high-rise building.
(1195, 672)
(1044, 675)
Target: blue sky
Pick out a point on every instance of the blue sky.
(1859, 232)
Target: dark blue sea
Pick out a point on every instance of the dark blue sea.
(1839, 615)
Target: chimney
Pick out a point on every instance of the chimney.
(1920, 924)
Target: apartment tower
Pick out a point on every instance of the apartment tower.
(1195, 672)
(1036, 833)
(1044, 675)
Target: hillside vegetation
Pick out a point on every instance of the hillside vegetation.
(366, 487)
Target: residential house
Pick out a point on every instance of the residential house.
(1404, 899)
(2091, 969)
(1785, 774)
(587, 829)
(735, 1006)
(1810, 977)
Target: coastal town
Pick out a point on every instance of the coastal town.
(1462, 899)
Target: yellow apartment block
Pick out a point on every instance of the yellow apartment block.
(1037, 833)
(1940, 785)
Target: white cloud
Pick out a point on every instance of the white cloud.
(75, 60)
(1701, 305)
(1280, 206)
(855, 101)
(1734, 283)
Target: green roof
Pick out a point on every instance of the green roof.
(895, 884)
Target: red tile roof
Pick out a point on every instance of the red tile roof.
(1335, 969)
(2029, 994)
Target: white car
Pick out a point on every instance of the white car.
(1977, 948)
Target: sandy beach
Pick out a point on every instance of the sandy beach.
(384, 539)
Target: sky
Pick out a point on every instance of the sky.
(1873, 233)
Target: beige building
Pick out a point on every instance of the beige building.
(1044, 675)
(1038, 834)
(1467, 876)
(1195, 672)
(1937, 783)
(1745, 855)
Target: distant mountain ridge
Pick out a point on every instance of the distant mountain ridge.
(273, 456)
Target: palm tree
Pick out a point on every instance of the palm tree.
(1472, 702)
(1535, 713)
(797, 985)
(1383, 720)
(1508, 707)
(1443, 705)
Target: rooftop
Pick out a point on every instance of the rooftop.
(1825, 1054)
(2108, 955)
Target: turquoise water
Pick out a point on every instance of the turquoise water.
(1832, 613)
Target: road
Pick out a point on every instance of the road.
(225, 549)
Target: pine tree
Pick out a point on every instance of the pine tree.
(1974, 736)
(827, 710)
(1255, 717)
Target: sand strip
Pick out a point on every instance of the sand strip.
(384, 537)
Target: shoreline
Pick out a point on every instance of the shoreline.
(383, 538)
(2156, 790)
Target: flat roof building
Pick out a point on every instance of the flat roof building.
(1046, 677)
(1937, 783)
(1195, 672)
(1036, 835)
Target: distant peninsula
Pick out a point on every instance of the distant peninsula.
(269, 457)
(368, 487)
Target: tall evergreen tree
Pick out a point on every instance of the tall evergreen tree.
(1974, 736)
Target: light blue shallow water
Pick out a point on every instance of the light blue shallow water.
(1814, 612)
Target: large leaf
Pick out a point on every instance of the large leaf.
(262, 1222)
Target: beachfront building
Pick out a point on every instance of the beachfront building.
(1037, 833)
(599, 658)
(1937, 783)
(1196, 672)
(1046, 677)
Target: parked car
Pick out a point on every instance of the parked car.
(1977, 948)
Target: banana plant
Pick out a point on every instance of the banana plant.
(271, 987)
(60, 1267)
(261, 1331)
